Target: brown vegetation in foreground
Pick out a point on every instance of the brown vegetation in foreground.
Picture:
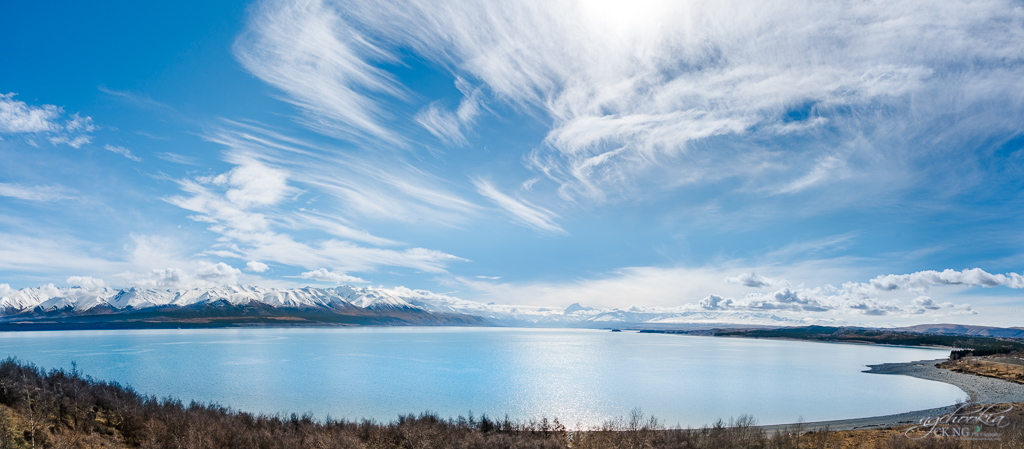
(1001, 366)
(59, 409)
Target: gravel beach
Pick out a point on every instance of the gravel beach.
(982, 390)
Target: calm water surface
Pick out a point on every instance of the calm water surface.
(583, 377)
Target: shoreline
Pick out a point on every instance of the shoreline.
(981, 390)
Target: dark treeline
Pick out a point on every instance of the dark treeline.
(961, 353)
(967, 345)
(60, 409)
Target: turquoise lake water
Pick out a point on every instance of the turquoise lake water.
(582, 377)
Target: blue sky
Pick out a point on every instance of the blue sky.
(829, 160)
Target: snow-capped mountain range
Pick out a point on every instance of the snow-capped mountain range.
(76, 301)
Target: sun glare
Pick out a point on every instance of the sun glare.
(626, 17)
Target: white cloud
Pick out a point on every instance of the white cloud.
(86, 282)
(75, 132)
(74, 142)
(800, 300)
(218, 273)
(205, 275)
(227, 199)
(160, 278)
(715, 302)
(923, 305)
(922, 280)
(522, 211)
(866, 298)
(325, 275)
(123, 152)
(35, 193)
(78, 123)
(256, 267)
(695, 289)
(754, 280)
(18, 117)
(253, 183)
(214, 208)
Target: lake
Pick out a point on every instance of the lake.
(583, 377)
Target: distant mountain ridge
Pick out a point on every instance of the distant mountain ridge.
(82, 300)
(963, 329)
(75, 307)
(51, 307)
(343, 304)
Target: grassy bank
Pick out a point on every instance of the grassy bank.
(1009, 367)
(61, 409)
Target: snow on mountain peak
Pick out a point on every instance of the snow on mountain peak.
(382, 300)
(50, 298)
(575, 307)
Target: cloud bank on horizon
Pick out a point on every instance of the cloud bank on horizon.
(720, 155)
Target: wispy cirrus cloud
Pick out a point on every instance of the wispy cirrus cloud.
(783, 97)
(177, 158)
(442, 123)
(449, 126)
(123, 152)
(137, 99)
(308, 50)
(334, 225)
(368, 184)
(22, 253)
(522, 211)
(35, 193)
(256, 208)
